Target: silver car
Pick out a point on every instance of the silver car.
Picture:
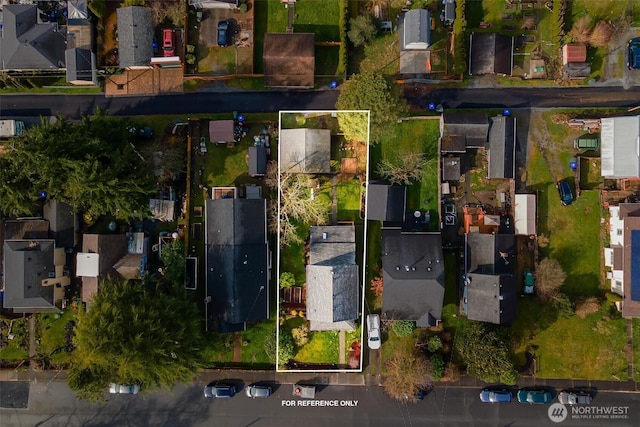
(124, 389)
(575, 397)
(255, 390)
(373, 329)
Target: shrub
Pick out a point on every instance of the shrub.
(434, 344)
(300, 335)
(191, 48)
(437, 366)
(612, 297)
(243, 8)
(287, 280)
(270, 346)
(98, 7)
(286, 349)
(377, 286)
(403, 328)
(362, 30)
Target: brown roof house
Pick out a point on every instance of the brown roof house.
(289, 60)
(574, 61)
(332, 278)
(221, 131)
(105, 255)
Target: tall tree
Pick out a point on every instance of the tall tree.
(372, 91)
(92, 165)
(133, 335)
(549, 279)
(484, 350)
(406, 374)
(362, 30)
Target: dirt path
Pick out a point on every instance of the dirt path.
(539, 135)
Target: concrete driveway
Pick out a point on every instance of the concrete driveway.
(616, 72)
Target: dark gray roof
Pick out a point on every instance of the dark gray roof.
(502, 147)
(305, 150)
(332, 275)
(464, 130)
(27, 45)
(413, 274)
(332, 245)
(450, 168)
(491, 298)
(81, 65)
(257, 160)
(490, 53)
(62, 223)
(386, 202)
(27, 263)
(135, 36)
(576, 70)
(490, 253)
(236, 248)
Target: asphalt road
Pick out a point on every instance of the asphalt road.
(53, 404)
(74, 106)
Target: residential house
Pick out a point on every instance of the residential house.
(620, 157)
(490, 290)
(81, 67)
(451, 168)
(502, 147)
(221, 131)
(100, 252)
(289, 60)
(386, 202)
(27, 44)
(623, 256)
(525, 214)
(490, 53)
(257, 159)
(332, 278)
(449, 13)
(462, 131)
(77, 9)
(237, 263)
(135, 37)
(305, 150)
(574, 61)
(33, 269)
(80, 57)
(413, 274)
(63, 223)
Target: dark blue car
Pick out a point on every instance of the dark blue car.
(223, 33)
(564, 189)
(633, 52)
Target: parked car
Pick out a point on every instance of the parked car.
(219, 391)
(534, 396)
(575, 397)
(373, 329)
(223, 33)
(124, 389)
(586, 143)
(168, 42)
(529, 283)
(566, 196)
(488, 395)
(633, 53)
(255, 390)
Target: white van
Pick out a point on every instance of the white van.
(373, 329)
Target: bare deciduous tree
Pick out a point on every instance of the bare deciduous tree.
(406, 374)
(601, 34)
(581, 30)
(407, 168)
(297, 205)
(549, 279)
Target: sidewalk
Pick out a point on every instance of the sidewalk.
(342, 378)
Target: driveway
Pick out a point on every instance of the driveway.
(616, 72)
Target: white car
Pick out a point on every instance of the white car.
(124, 389)
(373, 329)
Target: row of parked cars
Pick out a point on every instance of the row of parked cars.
(535, 396)
(221, 391)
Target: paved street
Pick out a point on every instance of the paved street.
(73, 106)
(53, 404)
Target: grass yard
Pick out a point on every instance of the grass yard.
(217, 349)
(393, 344)
(323, 347)
(566, 349)
(349, 195)
(217, 60)
(17, 349)
(253, 352)
(53, 336)
(292, 257)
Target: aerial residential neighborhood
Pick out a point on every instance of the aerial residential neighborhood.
(372, 212)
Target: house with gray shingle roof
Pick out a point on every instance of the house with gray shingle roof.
(502, 147)
(332, 278)
(27, 44)
(135, 36)
(305, 150)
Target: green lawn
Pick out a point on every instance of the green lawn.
(323, 347)
(18, 348)
(253, 352)
(218, 349)
(53, 336)
(393, 344)
(349, 195)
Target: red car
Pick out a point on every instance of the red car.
(168, 42)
